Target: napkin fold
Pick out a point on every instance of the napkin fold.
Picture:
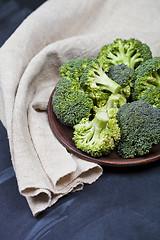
(56, 32)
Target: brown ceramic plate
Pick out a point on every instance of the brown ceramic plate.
(64, 135)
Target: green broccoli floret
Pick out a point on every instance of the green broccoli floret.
(152, 96)
(139, 123)
(124, 76)
(96, 82)
(147, 76)
(70, 103)
(131, 52)
(74, 67)
(98, 136)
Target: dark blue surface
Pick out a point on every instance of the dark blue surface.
(124, 204)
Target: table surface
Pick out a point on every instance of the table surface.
(123, 204)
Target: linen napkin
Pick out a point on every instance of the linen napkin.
(56, 32)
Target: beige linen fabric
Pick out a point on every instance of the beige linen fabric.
(56, 32)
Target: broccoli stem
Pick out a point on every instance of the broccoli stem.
(101, 79)
(129, 57)
(135, 59)
(156, 75)
(101, 119)
(114, 101)
(130, 52)
(123, 56)
(154, 79)
(99, 123)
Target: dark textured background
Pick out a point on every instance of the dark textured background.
(124, 204)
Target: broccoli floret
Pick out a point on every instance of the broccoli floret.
(147, 76)
(152, 96)
(139, 124)
(131, 52)
(124, 76)
(70, 103)
(96, 82)
(74, 67)
(98, 136)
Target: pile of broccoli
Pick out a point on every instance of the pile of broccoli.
(112, 102)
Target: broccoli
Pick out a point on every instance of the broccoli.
(98, 136)
(147, 76)
(124, 76)
(139, 124)
(101, 134)
(70, 103)
(74, 67)
(111, 102)
(131, 52)
(152, 96)
(96, 83)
